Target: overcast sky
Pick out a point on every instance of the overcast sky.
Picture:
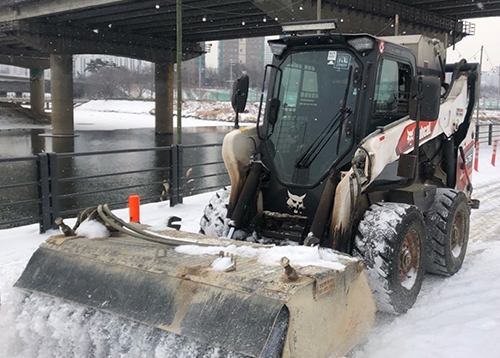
(487, 35)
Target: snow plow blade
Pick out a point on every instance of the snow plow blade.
(255, 309)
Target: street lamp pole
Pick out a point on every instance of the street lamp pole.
(179, 68)
(199, 78)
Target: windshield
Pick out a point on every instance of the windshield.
(313, 123)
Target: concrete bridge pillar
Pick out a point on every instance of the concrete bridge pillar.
(37, 90)
(164, 97)
(61, 69)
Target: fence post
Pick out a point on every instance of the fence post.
(44, 212)
(180, 171)
(476, 157)
(174, 184)
(54, 187)
(490, 133)
(494, 155)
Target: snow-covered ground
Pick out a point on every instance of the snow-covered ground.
(107, 115)
(110, 114)
(455, 317)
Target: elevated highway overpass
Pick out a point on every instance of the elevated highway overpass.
(17, 85)
(40, 34)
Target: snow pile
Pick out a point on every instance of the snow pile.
(299, 256)
(454, 317)
(92, 229)
(118, 106)
(489, 115)
(204, 110)
(222, 263)
(114, 114)
(220, 111)
(46, 327)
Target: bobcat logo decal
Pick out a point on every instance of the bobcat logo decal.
(295, 203)
(407, 139)
(410, 135)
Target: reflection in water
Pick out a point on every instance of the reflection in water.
(70, 169)
(65, 167)
(37, 141)
(162, 161)
(18, 143)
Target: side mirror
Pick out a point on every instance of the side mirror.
(272, 108)
(425, 92)
(240, 94)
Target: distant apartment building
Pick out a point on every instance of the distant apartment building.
(14, 71)
(248, 52)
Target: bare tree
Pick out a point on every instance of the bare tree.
(95, 65)
(143, 82)
(103, 84)
(256, 76)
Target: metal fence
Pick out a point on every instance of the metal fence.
(50, 185)
(487, 132)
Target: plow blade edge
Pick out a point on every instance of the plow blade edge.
(254, 310)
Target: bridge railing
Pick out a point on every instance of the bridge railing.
(63, 184)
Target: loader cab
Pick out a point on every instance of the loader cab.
(310, 113)
(325, 94)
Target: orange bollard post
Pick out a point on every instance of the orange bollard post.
(476, 157)
(134, 204)
(494, 155)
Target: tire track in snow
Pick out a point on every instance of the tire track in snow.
(485, 223)
(454, 316)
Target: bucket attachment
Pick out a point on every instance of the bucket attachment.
(254, 309)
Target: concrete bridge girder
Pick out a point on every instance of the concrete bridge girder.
(73, 40)
(24, 61)
(62, 95)
(37, 90)
(61, 45)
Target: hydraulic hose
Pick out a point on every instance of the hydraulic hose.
(115, 222)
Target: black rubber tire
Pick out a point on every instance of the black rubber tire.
(390, 240)
(214, 221)
(447, 232)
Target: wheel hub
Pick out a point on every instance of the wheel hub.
(405, 259)
(457, 234)
(409, 257)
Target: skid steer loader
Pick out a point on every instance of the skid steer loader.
(362, 154)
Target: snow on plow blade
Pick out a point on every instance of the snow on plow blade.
(254, 309)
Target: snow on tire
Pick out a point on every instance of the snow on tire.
(214, 221)
(390, 240)
(447, 232)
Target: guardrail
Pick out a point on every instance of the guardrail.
(486, 132)
(43, 187)
(63, 184)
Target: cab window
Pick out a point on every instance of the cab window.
(392, 92)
